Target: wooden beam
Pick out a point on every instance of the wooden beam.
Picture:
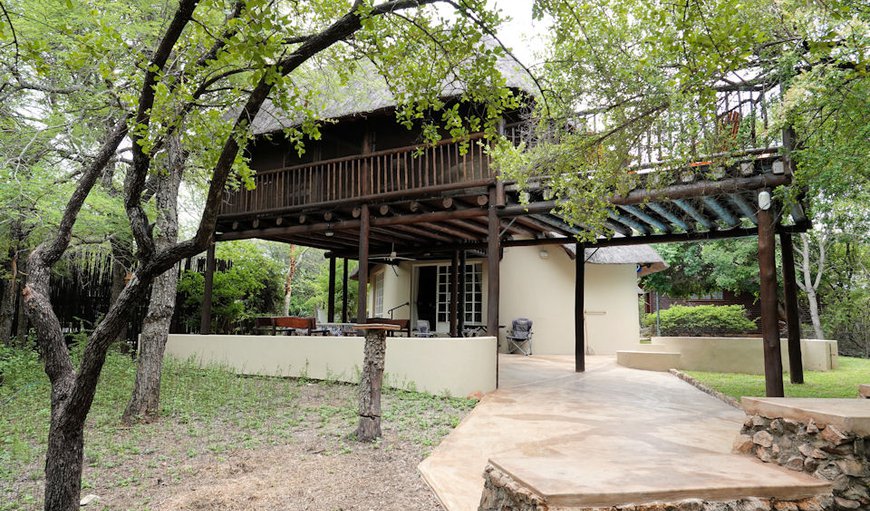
(666, 193)
(443, 229)
(793, 320)
(330, 306)
(579, 309)
(454, 295)
(344, 292)
(343, 225)
(493, 247)
(769, 322)
(422, 233)
(462, 263)
(447, 202)
(205, 316)
(363, 273)
(481, 200)
(384, 209)
(330, 216)
(470, 224)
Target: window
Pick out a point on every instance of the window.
(473, 293)
(378, 293)
(707, 297)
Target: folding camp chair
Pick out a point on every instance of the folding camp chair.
(423, 329)
(520, 336)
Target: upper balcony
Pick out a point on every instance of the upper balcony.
(374, 177)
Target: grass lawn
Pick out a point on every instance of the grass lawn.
(208, 416)
(843, 382)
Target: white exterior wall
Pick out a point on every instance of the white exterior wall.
(543, 291)
(397, 288)
(612, 314)
(458, 367)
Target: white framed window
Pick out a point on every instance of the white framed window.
(473, 293)
(378, 294)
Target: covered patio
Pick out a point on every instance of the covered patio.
(607, 437)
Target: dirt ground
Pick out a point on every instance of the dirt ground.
(302, 477)
(290, 453)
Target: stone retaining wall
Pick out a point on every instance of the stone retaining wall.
(502, 493)
(819, 450)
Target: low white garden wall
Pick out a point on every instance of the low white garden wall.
(736, 354)
(454, 366)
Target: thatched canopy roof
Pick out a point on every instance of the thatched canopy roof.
(368, 93)
(644, 255)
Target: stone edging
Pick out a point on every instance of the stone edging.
(705, 389)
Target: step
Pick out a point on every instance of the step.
(580, 484)
(648, 360)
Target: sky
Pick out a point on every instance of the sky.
(523, 35)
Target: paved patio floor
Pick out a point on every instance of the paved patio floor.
(608, 436)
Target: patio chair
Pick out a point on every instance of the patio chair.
(423, 329)
(520, 336)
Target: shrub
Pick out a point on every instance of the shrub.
(702, 320)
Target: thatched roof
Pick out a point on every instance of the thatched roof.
(368, 93)
(644, 255)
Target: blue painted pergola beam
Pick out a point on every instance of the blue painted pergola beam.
(694, 213)
(744, 207)
(720, 211)
(666, 213)
(643, 216)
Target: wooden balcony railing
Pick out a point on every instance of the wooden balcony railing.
(376, 175)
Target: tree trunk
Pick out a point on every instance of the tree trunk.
(23, 320)
(144, 402)
(7, 301)
(63, 462)
(809, 286)
(292, 267)
(369, 427)
(122, 260)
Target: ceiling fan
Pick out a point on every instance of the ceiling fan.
(392, 256)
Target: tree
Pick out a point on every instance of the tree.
(646, 78)
(249, 286)
(294, 257)
(204, 73)
(144, 404)
(697, 268)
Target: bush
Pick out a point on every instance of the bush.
(702, 320)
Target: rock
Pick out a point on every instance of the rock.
(763, 438)
(810, 451)
(833, 435)
(795, 463)
(810, 465)
(786, 506)
(763, 454)
(742, 444)
(812, 428)
(851, 467)
(777, 427)
(759, 422)
(847, 503)
(89, 499)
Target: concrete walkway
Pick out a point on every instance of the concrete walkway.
(608, 436)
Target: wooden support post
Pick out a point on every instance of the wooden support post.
(789, 288)
(579, 310)
(371, 380)
(205, 318)
(363, 273)
(492, 258)
(769, 322)
(461, 306)
(454, 295)
(330, 305)
(344, 290)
